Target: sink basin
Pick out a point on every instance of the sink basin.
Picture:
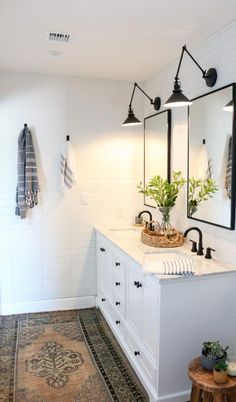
(164, 251)
(123, 230)
(124, 234)
(130, 233)
(171, 262)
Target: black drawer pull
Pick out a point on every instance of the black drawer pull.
(136, 353)
(117, 322)
(137, 284)
(117, 283)
(117, 303)
(103, 299)
(102, 249)
(117, 264)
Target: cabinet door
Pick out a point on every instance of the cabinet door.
(109, 286)
(104, 265)
(134, 297)
(101, 262)
(150, 314)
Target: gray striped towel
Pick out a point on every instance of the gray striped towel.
(228, 175)
(68, 167)
(27, 178)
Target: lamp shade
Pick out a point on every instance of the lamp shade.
(131, 119)
(177, 99)
(229, 107)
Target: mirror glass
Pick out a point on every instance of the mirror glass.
(157, 131)
(211, 189)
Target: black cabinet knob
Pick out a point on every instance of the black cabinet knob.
(117, 264)
(103, 300)
(102, 249)
(117, 303)
(117, 322)
(136, 353)
(137, 284)
(117, 283)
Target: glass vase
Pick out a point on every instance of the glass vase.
(165, 223)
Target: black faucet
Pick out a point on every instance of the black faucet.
(147, 224)
(145, 212)
(200, 247)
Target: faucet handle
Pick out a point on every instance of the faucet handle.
(208, 253)
(194, 246)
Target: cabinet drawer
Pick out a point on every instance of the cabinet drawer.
(119, 266)
(140, 356)
(118, 321)
(119, 287)
(119, 305)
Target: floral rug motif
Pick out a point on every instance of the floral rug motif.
(55, 364)
(64, 356)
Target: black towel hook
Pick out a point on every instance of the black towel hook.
(67, 138)
(25, 125)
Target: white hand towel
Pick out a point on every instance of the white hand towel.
(204, 164)
(68, 167)
(169, 264)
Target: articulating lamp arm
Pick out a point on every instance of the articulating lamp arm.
(184, 49)
(131, 100)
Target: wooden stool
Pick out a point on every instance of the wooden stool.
(204, 387)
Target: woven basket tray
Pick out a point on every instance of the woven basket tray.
(171, 238)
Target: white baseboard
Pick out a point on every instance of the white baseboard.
(48, 305)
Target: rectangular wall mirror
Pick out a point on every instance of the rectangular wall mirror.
(211, 158)
(157, 139)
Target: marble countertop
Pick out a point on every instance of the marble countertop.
(128, 240)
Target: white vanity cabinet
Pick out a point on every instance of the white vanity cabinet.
(161, 322)
(125, 304)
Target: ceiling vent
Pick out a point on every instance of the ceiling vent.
(59, 37)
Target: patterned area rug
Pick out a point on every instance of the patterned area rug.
(64, 356)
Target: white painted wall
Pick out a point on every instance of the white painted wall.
(48, 260)
(219, 52)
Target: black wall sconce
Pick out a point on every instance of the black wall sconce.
(131, 119)
(178, 99)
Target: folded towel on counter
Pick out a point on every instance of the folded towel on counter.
(68, 167)
(27, 178)
(169, 264)
(228, 175)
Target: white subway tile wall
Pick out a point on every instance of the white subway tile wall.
(218, 51)
(49, 258)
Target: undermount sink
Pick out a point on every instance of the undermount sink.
(123, 230)
(126, 233)
(164, 251)
(130, 233)
(168, 262)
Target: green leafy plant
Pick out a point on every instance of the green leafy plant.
(163, 192)
(213, 350)
(221, 366)
(200, 190)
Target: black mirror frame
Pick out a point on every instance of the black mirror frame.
(232, 210)
(168, 111)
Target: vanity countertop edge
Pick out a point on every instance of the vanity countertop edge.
(133, 248)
